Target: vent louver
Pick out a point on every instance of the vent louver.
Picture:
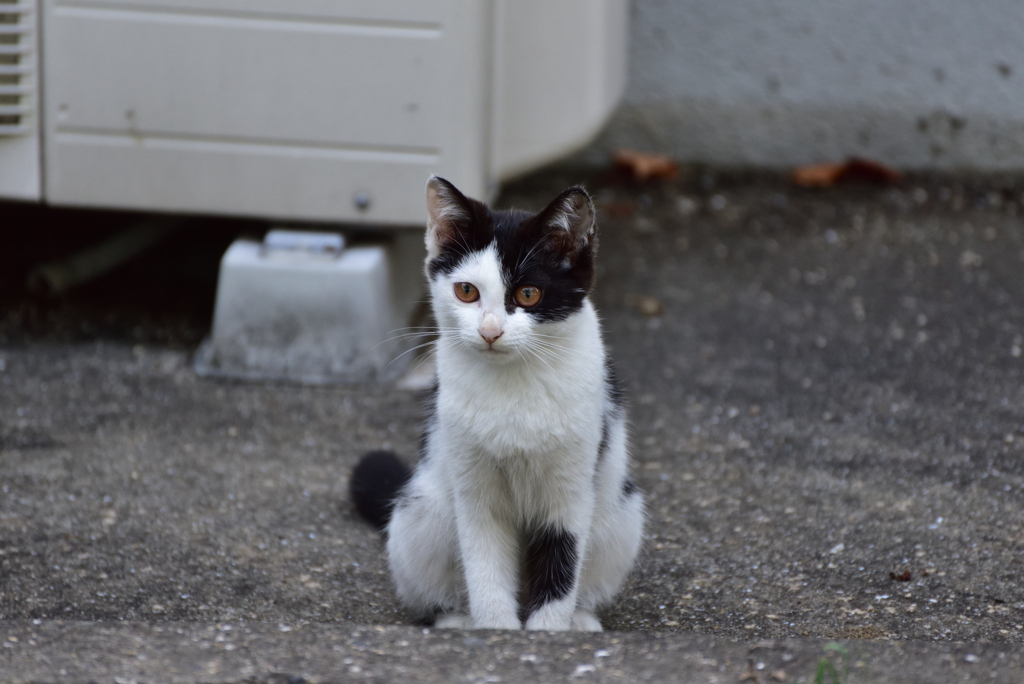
(17, 42)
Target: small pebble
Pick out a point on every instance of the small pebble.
(687, 206)
(969, 259)
(649, 306)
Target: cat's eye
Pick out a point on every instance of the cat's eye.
(527, 296)
(467, 292)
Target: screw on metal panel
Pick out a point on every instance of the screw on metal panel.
(362, 201)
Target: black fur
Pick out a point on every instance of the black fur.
(430, 411)
(532, 252)
(602, 448)
(549, 567)
(611, 378)
(375, 485)
(629, 487)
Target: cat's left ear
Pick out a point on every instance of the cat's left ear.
(570, 220)
(449, 215)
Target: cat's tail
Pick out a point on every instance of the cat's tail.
(375, 485)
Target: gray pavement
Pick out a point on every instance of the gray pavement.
(260, 652)
(828, 417)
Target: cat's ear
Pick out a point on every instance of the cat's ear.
(570, 220)
(449, 215)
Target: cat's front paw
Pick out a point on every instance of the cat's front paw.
(453, 621)
(461, 621)
(549, 618)
(496, 623)
(585, 621)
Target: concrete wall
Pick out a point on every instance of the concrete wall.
(914, 83)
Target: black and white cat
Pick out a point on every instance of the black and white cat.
(520, 511)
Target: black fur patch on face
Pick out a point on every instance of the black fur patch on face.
(549, 571)
(530, 257)
(532, 249)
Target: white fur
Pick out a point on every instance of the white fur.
(513, 447)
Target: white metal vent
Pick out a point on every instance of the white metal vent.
(17, 42)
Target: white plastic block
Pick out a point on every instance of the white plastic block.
(280, 240)
(290, 309)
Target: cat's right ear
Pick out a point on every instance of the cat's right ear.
(448, 212)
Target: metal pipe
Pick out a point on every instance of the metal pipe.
(56, 277)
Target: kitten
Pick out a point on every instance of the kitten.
(520, 511)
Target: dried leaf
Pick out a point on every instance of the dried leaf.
(817, 175)
(644, 166)
(623, 209)
(853, 169)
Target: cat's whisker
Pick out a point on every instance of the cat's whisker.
(535, 353)
(456, 341)
(461, 241)
(545, 362)
(541, 339)
(419, 330)
(419, 327)
(525, 260)
(405, 336)
(551, 357)
(534, 333)
(424, 331)
(415, 327)
(554, 352)
(558, 351)
(412, 349)
(556, 342)
(409, 351)
(424, 358)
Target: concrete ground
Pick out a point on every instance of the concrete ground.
(828, 417)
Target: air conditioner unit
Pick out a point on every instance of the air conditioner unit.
(20, 139)
(321, 110)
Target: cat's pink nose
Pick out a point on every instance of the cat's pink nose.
(490, 328)
(491, 335)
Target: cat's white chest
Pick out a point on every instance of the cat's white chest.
(509, 414)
